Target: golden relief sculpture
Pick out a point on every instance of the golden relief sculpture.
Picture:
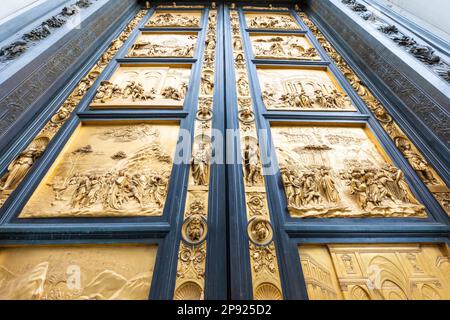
(190, 280)
(332, 172)
(272, 21)
(20, 166)
(173, 19)
(417, 161)
(263, 259)
(376, 271)
(108, 171)
(164, 45)
(302, 89)
(144, 86)
(279, 46)
(89, 272)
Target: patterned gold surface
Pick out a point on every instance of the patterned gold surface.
(76, 272)
(108, 170)
(376, 271)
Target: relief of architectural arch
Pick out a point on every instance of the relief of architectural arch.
(302, 89)
(283, 46)
(164, 45)
(77, 272)
(144, 86)
(271, 21)
(175, 19)
(336, 172)
(376, 271)
(108, 170)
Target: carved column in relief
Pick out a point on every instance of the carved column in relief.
(190, 278)
(20, 166)
(415, 158)
(263, 258)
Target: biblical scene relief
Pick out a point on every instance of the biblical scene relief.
(300, 89)
(151, 45)
(335, 172)
(283, 47)
(97, 272)
(376, 272)
(144, 87)
(108, 171)
(175, 19)
(272, 21)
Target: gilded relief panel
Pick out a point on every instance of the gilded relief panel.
(144, 86)
(272, 21)
(335, 172)
(108, 170)
(164, 45)
(376, 271)
(280, 46)
(175, 19)
(302, 89)
(97, 272)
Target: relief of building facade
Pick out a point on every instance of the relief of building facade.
(302, 89)
(107, 171)
(376, 271)
(75, 272)
(339, 172)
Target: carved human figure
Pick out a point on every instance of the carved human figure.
(20, 167)
(207, 83)
(200, 164)
(418, 164)
(328, 186)
(251, 162)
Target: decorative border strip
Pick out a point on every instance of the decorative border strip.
(263, 258)
(417, 161)
(190, 278)
(19, 167)
(423, 53)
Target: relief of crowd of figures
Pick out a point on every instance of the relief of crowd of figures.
(338, 172)
(109, 170)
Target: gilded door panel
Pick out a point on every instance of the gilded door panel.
(108, 170)
(272, 21)
(282, 46)
(164, 45)
(302, 89)
(144, 86)
(172, 19)
(77, 272)
(331, 171)
(376, 271)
